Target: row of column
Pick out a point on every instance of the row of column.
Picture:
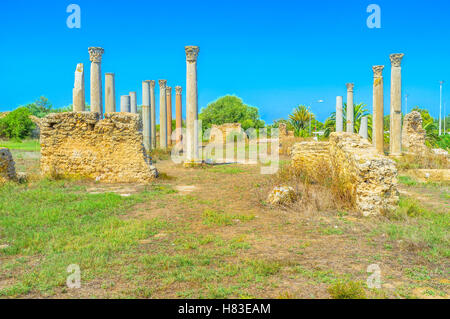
(128, 103)
(378, 109)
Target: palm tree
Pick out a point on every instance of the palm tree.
(300, 119)
(359, 111)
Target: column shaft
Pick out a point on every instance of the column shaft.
(95, 54)
(378, 109)
(125, 103)
(152, 114)
(363, 127)
(78, 93)
(179, 114)
(146, 120)
(169, 114)
(133, 102)
(192, 152)
(339, 116)
(162, 115)
(350, 114)
(395, 129)
(110, 94)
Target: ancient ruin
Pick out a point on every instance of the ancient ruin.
(339, 115)
(179, 114)
(228, 132)
(395, 146)
(355, 166)
(7, 166)
(81, 145)
(169, 114)
(110, 93)
(413, 135)
(146, 117)
(95, 55)
(378, 109)
(162, 114)
(350, 113)
(192, 143)
(78, 98)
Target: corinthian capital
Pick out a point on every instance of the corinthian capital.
(178, 90)
(162, 84)
(378, 71)
(152, 83)
(168, 90)
(350, 86)
(191, 53)
(95, 54)
(396, 59)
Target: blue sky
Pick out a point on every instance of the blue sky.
(273, 54)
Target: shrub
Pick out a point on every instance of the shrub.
(17, 124)
(347, 290)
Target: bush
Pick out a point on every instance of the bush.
(347, 290)
(17, 124)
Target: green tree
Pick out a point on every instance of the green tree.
(230, 109)
(40, 108)
(300, 119)
(17, 124)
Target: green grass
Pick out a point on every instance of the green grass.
(51, 225)
(25, 145)
(225, 169)
(407, 180)
(212, 217)
(421, 227)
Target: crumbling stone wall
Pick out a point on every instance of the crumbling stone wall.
(311, 157)
(368, 178)
(7, 166)
(413, 134)
(80, 144)
(228, 131)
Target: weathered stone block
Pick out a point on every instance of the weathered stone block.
(7, 166)
(366, 177)
(80, 144)
(413, 135)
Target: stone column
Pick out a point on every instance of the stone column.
(146, 120)
(363, 127)
(395, 145)
(339, 116)
(192, 155)
(110, 93)
(125, 103)
(162, 114)
(179, 114)
(95, 55)
(169, 114)
(133, 102)
(152, 114)
(350, 114)
(78, 98)
(378, 109)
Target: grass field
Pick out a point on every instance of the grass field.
(25, 145)
(208, 233)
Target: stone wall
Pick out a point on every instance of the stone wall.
(7, 166)
(366, 177)
(80, 144)
(413, 135)
(312, 158)
(228, 131)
